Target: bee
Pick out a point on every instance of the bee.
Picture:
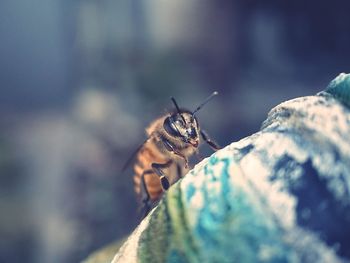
(163, 157)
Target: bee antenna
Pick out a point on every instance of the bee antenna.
(205, 102)
(178, 109)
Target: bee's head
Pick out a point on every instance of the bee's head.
(183, 123)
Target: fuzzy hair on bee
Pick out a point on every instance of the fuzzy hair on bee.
(163, 157)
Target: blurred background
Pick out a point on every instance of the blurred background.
(80, 80)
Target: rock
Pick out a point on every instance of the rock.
(279, 195)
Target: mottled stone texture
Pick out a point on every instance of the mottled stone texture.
(280, 195)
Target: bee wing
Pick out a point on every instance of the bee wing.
(132, 156)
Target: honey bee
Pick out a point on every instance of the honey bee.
(163, 157)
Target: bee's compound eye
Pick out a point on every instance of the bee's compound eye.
(180, 121)
(170, 127)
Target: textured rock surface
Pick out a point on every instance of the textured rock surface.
(280, 195)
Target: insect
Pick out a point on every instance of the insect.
(163, 157)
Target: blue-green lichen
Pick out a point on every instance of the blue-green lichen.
(340, 88)
(229, 228)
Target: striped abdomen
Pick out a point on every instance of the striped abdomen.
(147, 155)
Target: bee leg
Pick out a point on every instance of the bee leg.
(171, 148)
(157, 168)
(211, 143)
(146, 203)
(179, 171)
